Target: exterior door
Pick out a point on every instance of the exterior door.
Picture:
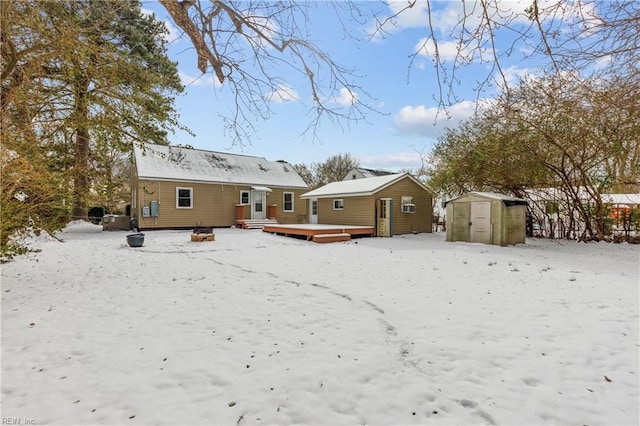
(313, 210)
(258, 207)
(385, 217)
(481, 222)
(460, 222)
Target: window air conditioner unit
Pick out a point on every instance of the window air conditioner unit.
(408, 208)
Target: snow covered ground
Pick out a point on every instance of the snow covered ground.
(255, 328)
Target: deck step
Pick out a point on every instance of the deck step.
(331, 238)
(256, 223)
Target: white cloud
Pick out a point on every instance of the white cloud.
(446, 49)
(392, 162)
(283, 94)
(513, 74)
(201, 80)
(447, 16)
(345, 98)
(431, 121)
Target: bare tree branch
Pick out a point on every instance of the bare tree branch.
(252, 45)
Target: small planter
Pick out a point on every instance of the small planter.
(135, 240)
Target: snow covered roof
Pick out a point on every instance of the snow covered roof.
(507, 199)
(365, 173)
(358, 187)
(174, 163)
(629, 199)
(497, 196)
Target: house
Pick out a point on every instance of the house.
(393, 204)
(175, 187)
(362, 173)
(621, 205)
(554, 215)
(486, 217)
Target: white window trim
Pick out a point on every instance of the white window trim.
(407, 199)
(284, 203)
(341, 203)
(178, 206)
(248, 197)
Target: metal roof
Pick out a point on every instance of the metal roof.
(358, 187)
(182, 164)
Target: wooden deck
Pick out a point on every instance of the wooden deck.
(308, 230)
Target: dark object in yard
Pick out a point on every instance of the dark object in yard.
(133, 224)
(203, 233)
(135, 240)
(114, 222)
(203, 230)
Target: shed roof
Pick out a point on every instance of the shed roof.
(359, 187)
(175, 163)
(506, 199)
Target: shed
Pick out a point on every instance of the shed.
(487, 217)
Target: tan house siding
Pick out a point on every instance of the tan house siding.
(356, 211)
(299, 213)
(213, 204)
(404, 223)
(361, 210)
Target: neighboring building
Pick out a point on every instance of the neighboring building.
(361, 173)
(176, 187)
(554, 215)
(486, 217)
(624, 210)
(394, 204)
(621, 204)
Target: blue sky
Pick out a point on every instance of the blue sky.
(403, 91)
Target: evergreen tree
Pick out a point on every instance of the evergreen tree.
(81, 79)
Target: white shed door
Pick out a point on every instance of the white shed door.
(481, 222)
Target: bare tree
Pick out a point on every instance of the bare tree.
(578, 36)
(334, 168)
(247, 45)
(306, 174)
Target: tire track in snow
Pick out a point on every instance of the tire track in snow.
(405, 353)
(404, 350)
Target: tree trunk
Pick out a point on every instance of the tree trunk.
(81, 154)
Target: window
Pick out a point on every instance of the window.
(288, 202)
(407, 204)
(258, 198)
(184, 198)
(338, 204)
(244, 197)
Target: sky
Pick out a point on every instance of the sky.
(405, 120)
(261, 329)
